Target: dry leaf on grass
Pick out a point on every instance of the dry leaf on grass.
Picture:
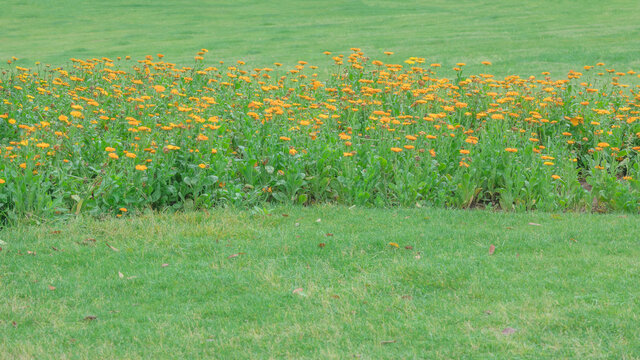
(492, 249)
(299, 291)
(111, 247)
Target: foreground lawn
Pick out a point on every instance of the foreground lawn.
(323, 282)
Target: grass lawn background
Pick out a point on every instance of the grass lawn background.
(518, 37)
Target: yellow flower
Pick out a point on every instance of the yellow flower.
(202, 166)
(603, 144)
(464, 152)
(2, 181)
(293, 151)
(131, 155)
(396, 149)
(284, 138)
(123, 209)
(214, 151)
(555, 177)
(548, 163)
(395, 245)
(511, 150)
(113, 155)
(141, 167)
(109, 149)
(159, 88)
(42, 145)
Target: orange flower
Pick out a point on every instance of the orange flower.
(396, 149)
(511, 150)
(141, 167)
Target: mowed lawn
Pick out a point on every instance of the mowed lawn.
(522, 38)
(323, 282)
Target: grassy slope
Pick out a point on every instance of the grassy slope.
(569, 287)
(519, 37)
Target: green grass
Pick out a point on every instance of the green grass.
(524, 38)
(569, 287)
